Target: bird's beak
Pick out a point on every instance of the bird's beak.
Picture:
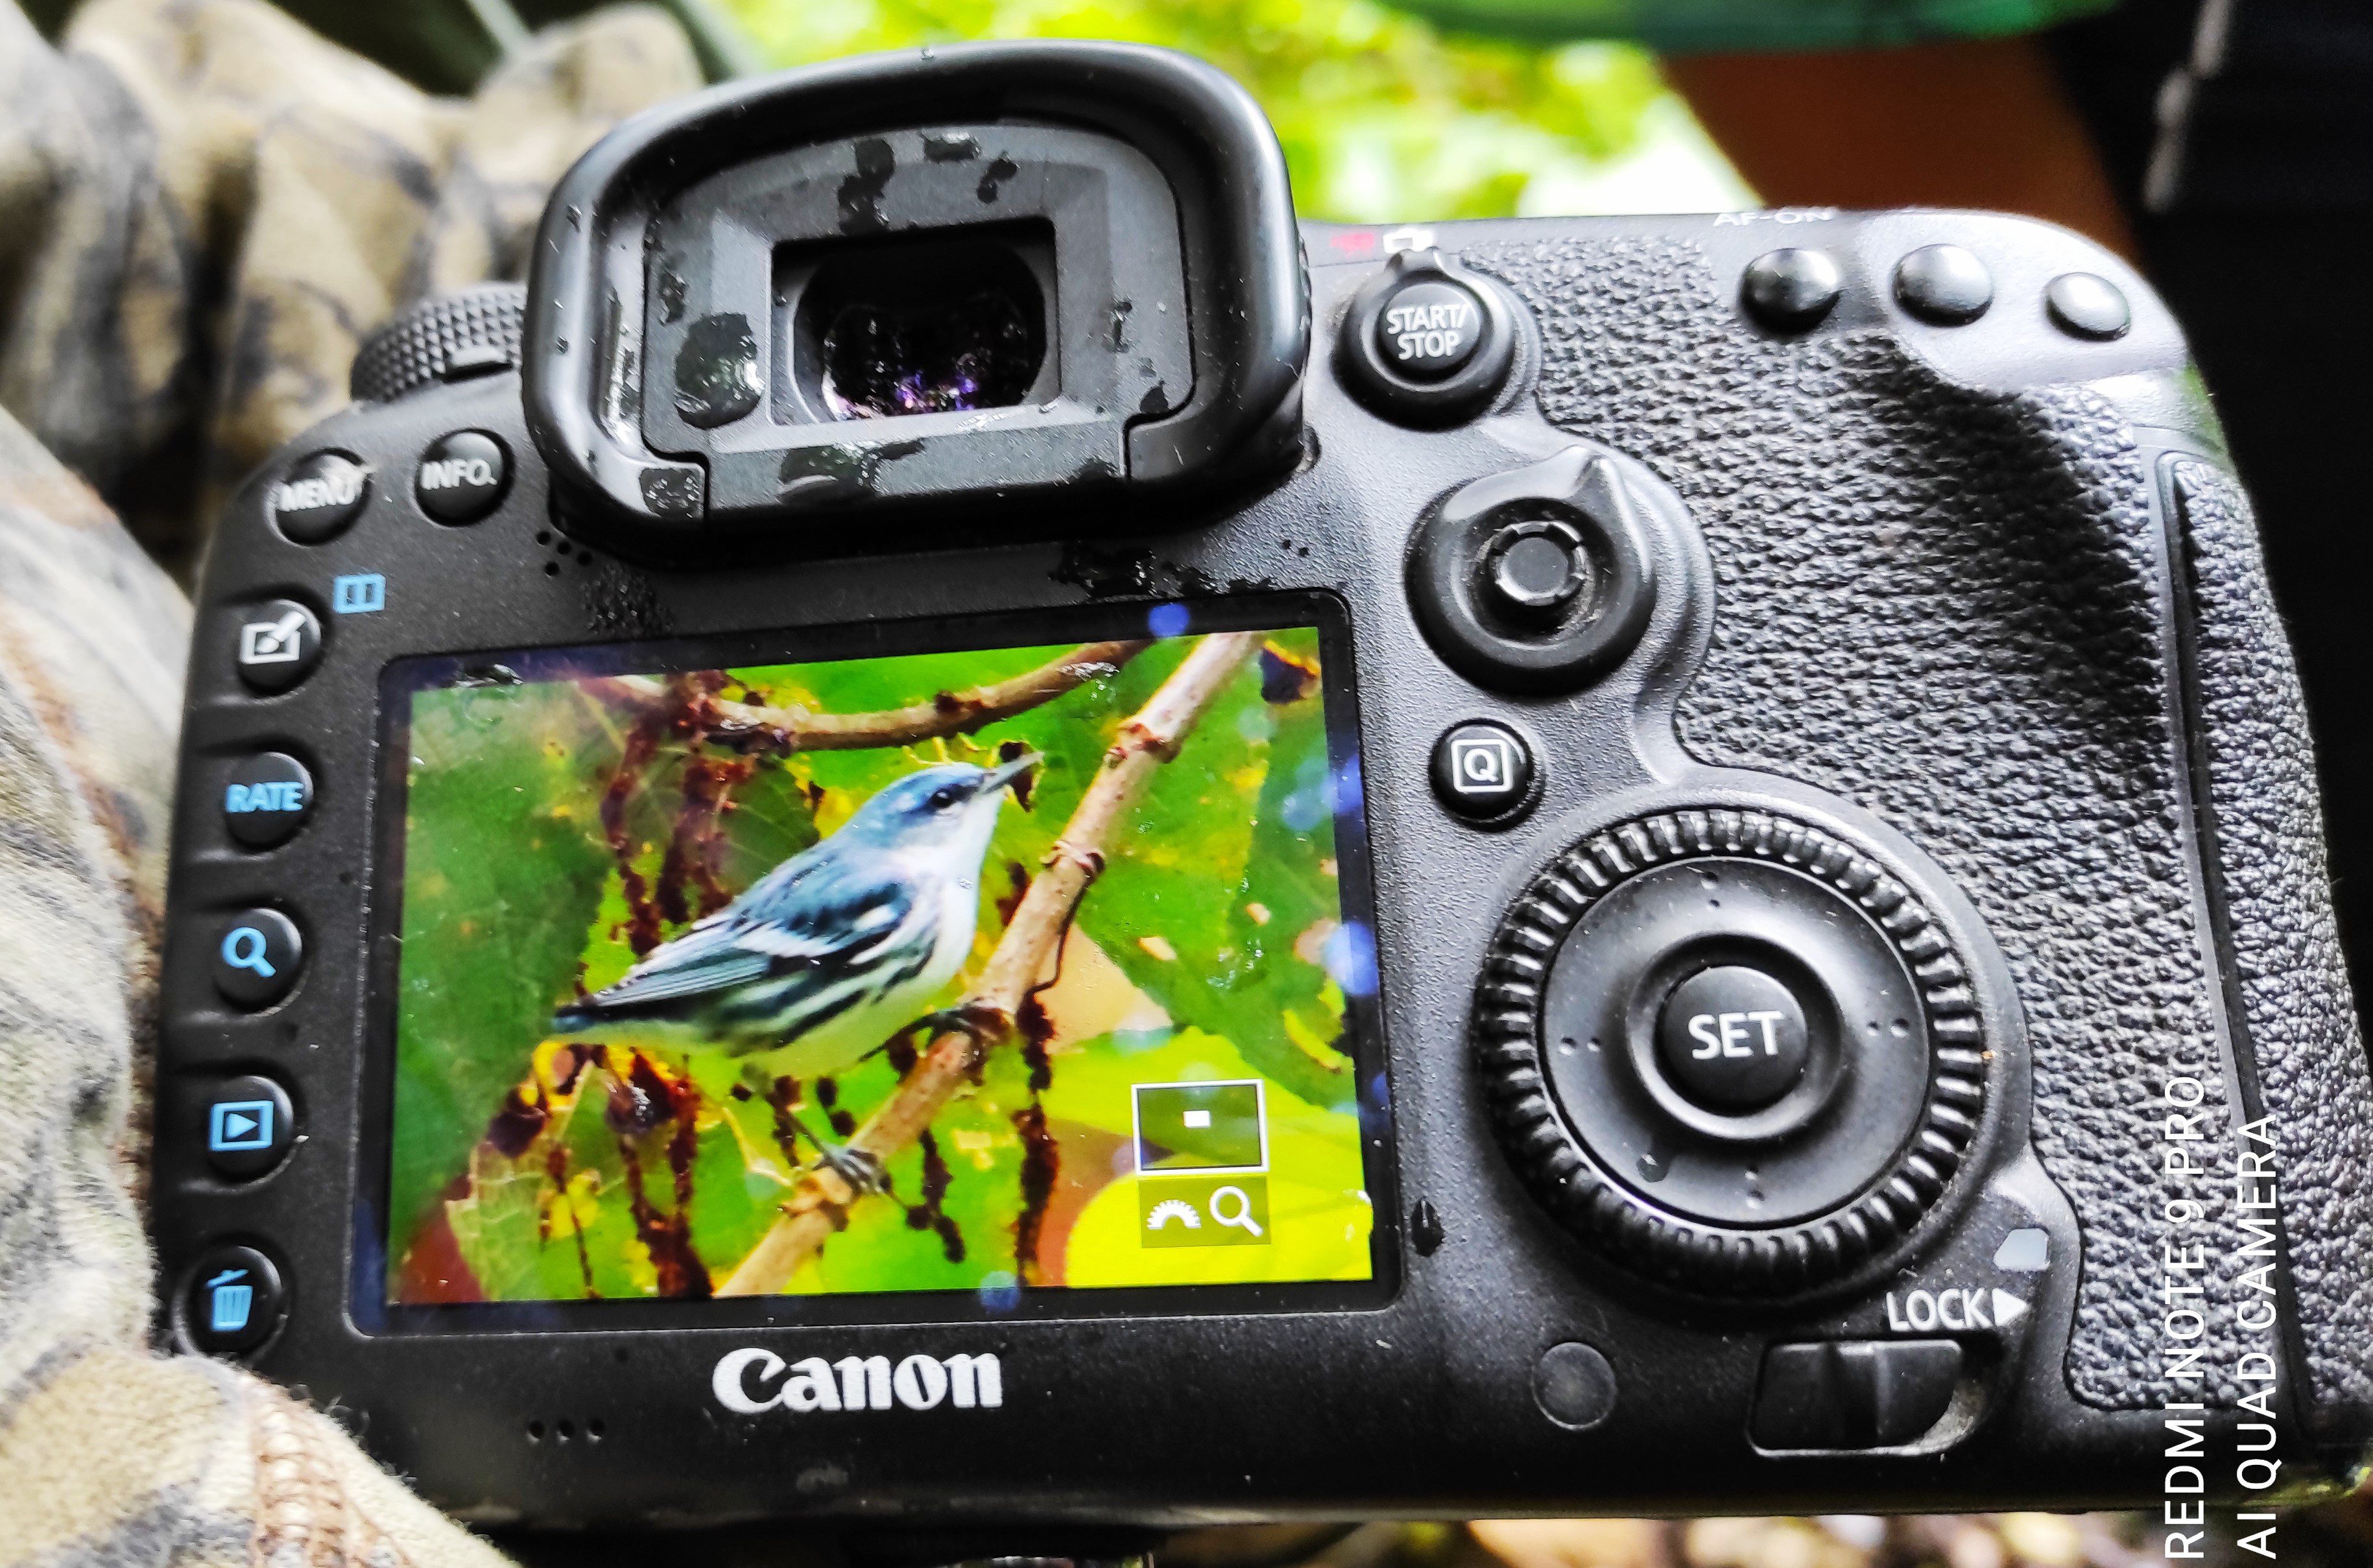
(1005, 773)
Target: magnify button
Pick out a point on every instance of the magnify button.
(255, 957)
(1233, 1206)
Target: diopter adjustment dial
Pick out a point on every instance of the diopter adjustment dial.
(447, 337)
(1729, 1051)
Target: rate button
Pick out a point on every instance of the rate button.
(265, 800)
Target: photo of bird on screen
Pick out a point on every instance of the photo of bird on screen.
(848, 974)
(833, 952)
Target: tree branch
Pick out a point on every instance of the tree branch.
(818, 1205)
(752, 728)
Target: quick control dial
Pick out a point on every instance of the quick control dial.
(1729, 1050)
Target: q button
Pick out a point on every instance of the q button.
(255, 957)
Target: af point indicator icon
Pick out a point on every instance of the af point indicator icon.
(1202, 1158)
(1183, 1128)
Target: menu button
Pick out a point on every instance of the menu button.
(322, 495)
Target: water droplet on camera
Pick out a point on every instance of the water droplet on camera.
(717, 371)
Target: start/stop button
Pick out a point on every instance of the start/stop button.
(1429, 327)
(1426, 342)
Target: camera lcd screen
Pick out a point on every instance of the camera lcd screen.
(726, 971)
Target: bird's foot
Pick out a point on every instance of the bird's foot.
(983, 1024)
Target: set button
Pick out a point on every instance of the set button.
(249, 1125)
(321, 497)
(232, 1300)
(255, 957)
(1732, 1038)
(463, 475)
(266, 799)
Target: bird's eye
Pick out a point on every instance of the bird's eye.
(945, 796)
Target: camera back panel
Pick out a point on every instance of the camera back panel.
(1710, 674)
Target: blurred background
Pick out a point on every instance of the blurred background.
(2225, 146)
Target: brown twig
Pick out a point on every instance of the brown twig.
(753, 728)
(818, 1205)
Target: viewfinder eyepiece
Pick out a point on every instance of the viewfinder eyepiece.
(1052, 269)
(934, 326)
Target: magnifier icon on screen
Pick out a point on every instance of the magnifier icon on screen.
(244, 949)
(1241, 1217)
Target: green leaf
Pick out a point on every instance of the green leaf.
(497, 899)
(1220, 898)
(1383, 117)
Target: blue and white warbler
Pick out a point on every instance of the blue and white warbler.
(835, 951)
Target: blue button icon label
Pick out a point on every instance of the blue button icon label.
(235, 1126)
(266, 799)
(250, 1125)
(233, 1297)
(358, 594)
(228, 1302)
(244, 947)
(276, 795)
(256, 958)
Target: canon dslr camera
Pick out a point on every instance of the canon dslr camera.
(962, 831)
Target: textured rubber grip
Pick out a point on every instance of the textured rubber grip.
(1944, 604)
(470, 331)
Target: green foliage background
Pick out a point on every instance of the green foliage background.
(1383, 117)
(1215, 903)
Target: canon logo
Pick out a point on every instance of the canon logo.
(745, 1383)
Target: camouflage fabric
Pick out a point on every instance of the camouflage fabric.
(112, 1455)
(204, 208)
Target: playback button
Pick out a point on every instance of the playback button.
(266, 799)
(249, 1125)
